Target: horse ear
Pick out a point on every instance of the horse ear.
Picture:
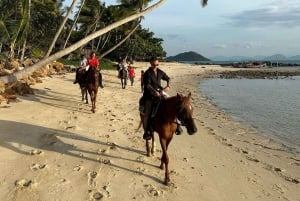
(190, 94)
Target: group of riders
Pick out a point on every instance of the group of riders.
(153, 92)
(85, 67)
(129, 70)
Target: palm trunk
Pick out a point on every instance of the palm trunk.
(74, 23)
(61, 28)
(121, 42)
(25, 41)
(23, 50)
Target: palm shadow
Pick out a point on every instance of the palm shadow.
(13, 135)
(57, 100)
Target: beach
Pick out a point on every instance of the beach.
(54, 148)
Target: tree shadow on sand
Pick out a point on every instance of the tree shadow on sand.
(24, 138)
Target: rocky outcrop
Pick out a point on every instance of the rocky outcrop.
(259, 74)
(22, 87)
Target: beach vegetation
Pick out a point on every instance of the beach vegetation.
(43, 26)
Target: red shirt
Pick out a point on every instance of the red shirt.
(93, 62)
(131, 72)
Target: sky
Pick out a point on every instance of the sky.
(226, 28)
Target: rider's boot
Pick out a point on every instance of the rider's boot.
(147, 133)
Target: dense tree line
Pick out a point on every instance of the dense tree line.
(27, 28)
(135, 10)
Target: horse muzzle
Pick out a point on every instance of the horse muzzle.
(192, 131)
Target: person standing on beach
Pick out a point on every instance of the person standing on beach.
(131, 74)
(153, 92)
(93, 62)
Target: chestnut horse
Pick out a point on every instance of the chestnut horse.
(92, 84)
(165, 124)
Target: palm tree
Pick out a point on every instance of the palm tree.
(61, 28)
(74, 23)
(27, 71)
(121, 42)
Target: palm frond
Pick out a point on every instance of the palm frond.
(204, 2)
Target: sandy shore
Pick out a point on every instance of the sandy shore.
(53, 148)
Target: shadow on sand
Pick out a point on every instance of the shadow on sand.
(23, 138)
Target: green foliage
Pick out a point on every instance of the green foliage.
(36, 53)
(39, 28)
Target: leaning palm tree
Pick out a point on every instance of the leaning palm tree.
(61, 28)
(27, 71)
(121, 42)
(74, 23)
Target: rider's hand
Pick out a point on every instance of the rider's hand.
(157, 93)
(166, 89)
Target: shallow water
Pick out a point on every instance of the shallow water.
(270, 106)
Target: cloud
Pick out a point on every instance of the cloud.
(173, 36)
(284, 13)
(219, 46)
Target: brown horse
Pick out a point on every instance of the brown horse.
(165, 124)
(82, 84)
(92, 84)
(123, 77)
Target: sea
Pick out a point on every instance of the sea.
(270, 106)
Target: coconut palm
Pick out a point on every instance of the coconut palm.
(121, 42)
(43, 62)
(74, 23)
(61, 28)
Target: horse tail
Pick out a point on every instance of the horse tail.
(140, 124)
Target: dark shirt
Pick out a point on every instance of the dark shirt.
(152, 82)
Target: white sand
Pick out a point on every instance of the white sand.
(53, 148)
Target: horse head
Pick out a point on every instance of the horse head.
(184, 113)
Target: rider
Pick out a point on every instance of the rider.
(152, 93)
(83, 65)
(123, 65)
(93, 62)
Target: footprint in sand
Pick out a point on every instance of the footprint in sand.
(35, 166)
(91, 178)
(36, 152)
(23, 183)
(77, 168)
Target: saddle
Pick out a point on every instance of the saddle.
(155, 105)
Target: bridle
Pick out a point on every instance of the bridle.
(179, 110)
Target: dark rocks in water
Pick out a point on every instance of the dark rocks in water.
(259, 74)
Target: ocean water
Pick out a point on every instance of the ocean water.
(272, 107)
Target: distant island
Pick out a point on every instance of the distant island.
(275, 57)
(187, 56)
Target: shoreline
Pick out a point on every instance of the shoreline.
(288, 144)
(61, 151)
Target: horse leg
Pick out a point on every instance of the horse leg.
(153, 145)
(82, 94)
(148, 148)
(165, 160)
(92, 95)
(122, 83)
(86, 97)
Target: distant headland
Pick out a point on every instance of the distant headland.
(188, 56)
